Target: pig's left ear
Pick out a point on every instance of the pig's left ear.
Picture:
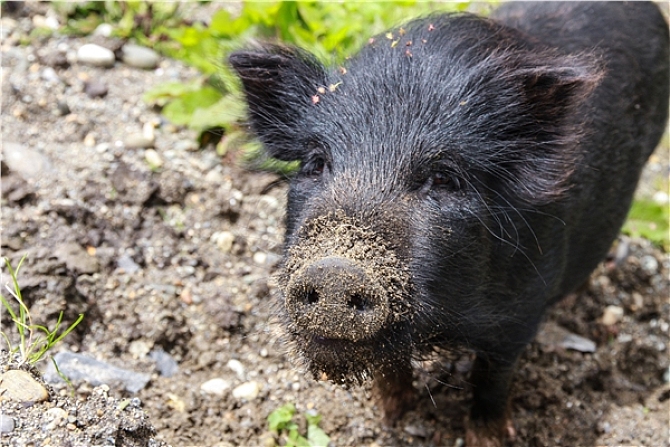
(278, 83)
(553, 92)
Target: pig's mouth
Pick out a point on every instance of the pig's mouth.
(347, 362)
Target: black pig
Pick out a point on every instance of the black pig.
(457, 176)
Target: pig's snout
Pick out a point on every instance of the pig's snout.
(335, 298)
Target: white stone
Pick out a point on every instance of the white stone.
(153, 158)
(224, 240)
(260, 257)
(216, 386)
(237, 368)
(95, 55)
(104, 29)
(612, 315)
(248, 391)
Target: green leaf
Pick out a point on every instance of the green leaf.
(224, 112)
(317, 437)
(281, 417)
(650, 220)
(162, 93)
(181, 110)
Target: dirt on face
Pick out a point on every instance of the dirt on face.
(180, 259)
(347, 296)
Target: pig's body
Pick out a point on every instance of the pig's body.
(455, 180)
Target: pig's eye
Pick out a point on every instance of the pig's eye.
(444, 181)
(313, 167)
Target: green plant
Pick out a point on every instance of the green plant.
(34, 340)
(136, 19)
(282, 421)
(650, 220)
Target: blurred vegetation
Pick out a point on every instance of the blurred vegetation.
(330, 30)
(650, 220)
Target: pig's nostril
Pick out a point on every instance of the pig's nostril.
(358, 302)
(311, 296)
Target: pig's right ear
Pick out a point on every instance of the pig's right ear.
(278, 83)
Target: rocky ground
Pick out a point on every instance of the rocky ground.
(169, 251)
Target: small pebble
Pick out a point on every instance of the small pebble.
(153, 159)
(139, 57)
(165, 363)
(416, 430)
(6, 424)
(186, 145)
(95, 89)
(216, 386)
(92, 54)
(104, 29)
(56, 416)
(224, 240)
(25, 161)
(248, 391)
(138, 141)
(649, 264)
(49, 75)
(62, 108)
(260, 257)
(127, 264)
(237, 368)
(139, 348)
(612, 315)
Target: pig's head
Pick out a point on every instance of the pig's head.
(419, 163)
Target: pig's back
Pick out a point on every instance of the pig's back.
(625, 115)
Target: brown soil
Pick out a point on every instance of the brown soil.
(182, 258)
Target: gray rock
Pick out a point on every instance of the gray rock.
(92, 54)
(139, 57)
(29, 163)
(95, 89)
(553, 335)
(416, 430)
(166, 365)
(6, 425)
(126, 263)
(76, 258)
(62, 108)
(80, 367)
(649, 264)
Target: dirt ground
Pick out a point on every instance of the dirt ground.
(178, 256)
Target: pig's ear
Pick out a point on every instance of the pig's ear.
(553, 92)
(278, 83)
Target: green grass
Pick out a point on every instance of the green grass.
(35, 340)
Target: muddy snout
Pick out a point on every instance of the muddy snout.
(336, 298)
